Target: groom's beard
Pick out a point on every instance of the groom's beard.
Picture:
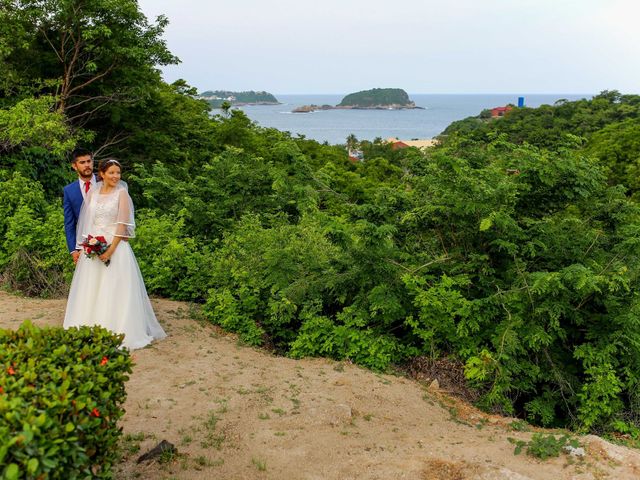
(86, 175)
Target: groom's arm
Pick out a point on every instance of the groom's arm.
(70, 222)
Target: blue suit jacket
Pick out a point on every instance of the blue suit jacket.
(72, 202)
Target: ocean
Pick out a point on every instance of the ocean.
(333, 126)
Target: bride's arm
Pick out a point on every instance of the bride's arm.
(124, 224)
(112, 248)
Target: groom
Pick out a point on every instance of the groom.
(74, 195)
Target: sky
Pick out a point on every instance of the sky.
(422, 46)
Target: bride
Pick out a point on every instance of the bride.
(108, 289)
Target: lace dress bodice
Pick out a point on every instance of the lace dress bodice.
(105, 214)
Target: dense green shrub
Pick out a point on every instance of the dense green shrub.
(617, 146)
(172, 264)
(61, 396)
(507, 257)
(314, 288)
(266, 278)
(33, 252)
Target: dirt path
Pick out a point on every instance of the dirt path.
(239, 413)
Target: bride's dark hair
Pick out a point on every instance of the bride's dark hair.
(106, 163)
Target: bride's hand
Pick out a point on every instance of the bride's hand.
(106, 255)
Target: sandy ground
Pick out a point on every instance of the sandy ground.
(234, 412)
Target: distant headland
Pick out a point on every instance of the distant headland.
(374, 99)
(218, 97)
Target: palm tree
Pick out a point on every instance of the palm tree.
(352, 142)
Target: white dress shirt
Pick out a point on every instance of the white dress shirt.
(81, 183)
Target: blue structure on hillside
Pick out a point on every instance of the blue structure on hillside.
(520, 102)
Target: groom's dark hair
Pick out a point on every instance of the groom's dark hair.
(79, 152)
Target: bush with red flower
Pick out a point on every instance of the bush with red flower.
(61, 396)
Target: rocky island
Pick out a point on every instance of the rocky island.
(374, 99)
(218, 97)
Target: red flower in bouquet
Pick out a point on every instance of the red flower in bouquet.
(95, 246)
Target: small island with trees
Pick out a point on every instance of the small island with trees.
(218, 97)
(374, 99)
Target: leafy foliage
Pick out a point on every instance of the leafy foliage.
(92, 53)
(545, 446)
(605, 127)
(31, 122)
(61, 396)
(33, 258)
(617, 146)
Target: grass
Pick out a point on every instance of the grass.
(203, 462)
(212, 438)
(296, 406)
(213, 441)
(208, 426)
(260, 464)
(211, 421)
(627, 440)
(450, 406)
(130, 443)
(427, 398)
(167, 456)
(520, 426)
(223, 406)
(383, 380)
(482, 423)
(195, 312)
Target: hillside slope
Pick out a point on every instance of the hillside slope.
(239, 413)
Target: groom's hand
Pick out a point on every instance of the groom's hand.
(76, 255)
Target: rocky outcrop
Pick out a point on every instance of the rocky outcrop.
(393, 106)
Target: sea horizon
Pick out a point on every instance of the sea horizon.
(438, 111)
(430, 93)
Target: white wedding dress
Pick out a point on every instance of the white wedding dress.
(112, 296)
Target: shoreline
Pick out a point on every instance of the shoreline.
(313, 108)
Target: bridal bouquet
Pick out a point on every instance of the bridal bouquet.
(95, 246)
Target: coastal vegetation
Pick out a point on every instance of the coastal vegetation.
(218, 97)
(604, 127)
(377, 97)
(512, 248)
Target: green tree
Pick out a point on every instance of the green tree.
(33, 122)
(617, 146)
(88, 54)
(352, 142)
